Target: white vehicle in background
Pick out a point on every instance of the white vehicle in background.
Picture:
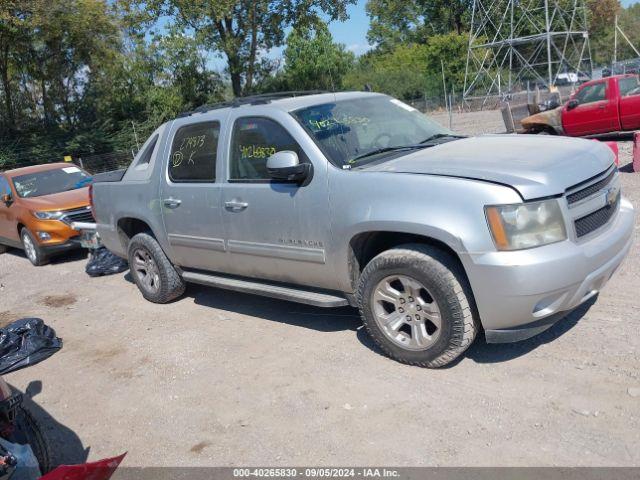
(569, 78)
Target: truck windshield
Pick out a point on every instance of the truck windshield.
(51, 181)
(359, 131)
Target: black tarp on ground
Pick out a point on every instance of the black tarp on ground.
(26, 342)
(103, 262)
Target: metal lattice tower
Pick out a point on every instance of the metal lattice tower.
(514, 43)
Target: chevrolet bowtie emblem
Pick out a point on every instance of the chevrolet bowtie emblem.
(612, 195)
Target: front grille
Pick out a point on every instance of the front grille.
(597, 219)
(591, 189)
(83, 215)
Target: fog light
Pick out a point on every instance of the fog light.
(44, 236)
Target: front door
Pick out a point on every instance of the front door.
(275, 230)
(8, 224)
(594, 113)
(190, 195)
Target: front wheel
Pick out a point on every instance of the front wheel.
(416, 304)
(28, 431)
(152, 271)
(32, 250)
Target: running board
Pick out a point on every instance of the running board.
(292, 294)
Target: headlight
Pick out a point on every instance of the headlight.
(48, 215)
(526, 225)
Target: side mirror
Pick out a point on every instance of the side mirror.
(285, 165)
(7, 199)
(572, 104)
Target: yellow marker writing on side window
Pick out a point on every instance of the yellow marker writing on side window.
(67, 158)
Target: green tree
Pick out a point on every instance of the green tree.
(240, 29)
(399, 72)
(400, 21)
(409, 71)
(313, 61)
(601, 17)
(15, 25)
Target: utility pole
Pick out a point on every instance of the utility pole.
(548, 25)
(615, 47)
(135, 135)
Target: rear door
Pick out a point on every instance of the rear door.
(8, 224)
(629, 102)
(595, 112)
(190, 194)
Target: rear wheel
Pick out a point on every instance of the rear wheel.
(416, 304)
(32, 250)
(152, 271)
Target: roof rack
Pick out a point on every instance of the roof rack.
(260, 99)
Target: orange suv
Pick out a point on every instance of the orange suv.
(38, 205)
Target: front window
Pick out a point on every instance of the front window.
(254, 140)
(348, 131)
(49, 182)
(5, 189)
(592, 93)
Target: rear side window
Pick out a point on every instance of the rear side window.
(145, 158)
(629, 86)
(194, 152)
(255, 139)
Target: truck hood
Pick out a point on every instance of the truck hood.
(536, 166)
(69, 200)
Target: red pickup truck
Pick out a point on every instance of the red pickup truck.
(599, 106)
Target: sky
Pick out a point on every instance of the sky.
(353, 32)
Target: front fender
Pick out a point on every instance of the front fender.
(446, 209)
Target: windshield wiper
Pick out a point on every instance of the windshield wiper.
(378, 151)
(438, 136)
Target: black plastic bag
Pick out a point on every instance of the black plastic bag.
(103, 262)
(26, 342)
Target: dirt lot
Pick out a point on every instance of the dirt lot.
(220, 378)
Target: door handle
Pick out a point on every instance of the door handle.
(172, 202)
(235, 206)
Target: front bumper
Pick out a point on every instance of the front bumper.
(71, 244)
(520, 294)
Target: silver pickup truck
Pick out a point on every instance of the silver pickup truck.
(358, 199)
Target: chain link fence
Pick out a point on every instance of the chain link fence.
(93, 164)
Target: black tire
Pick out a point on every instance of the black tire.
(28, 432)
(170, 284)
(445, 283)
(38, 257)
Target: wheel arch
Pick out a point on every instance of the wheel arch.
(128, 227)
(364, 246)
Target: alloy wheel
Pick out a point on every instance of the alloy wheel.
(29, 247)
(146, 270)
(406, 312)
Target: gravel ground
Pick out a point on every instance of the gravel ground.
(220, 378)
